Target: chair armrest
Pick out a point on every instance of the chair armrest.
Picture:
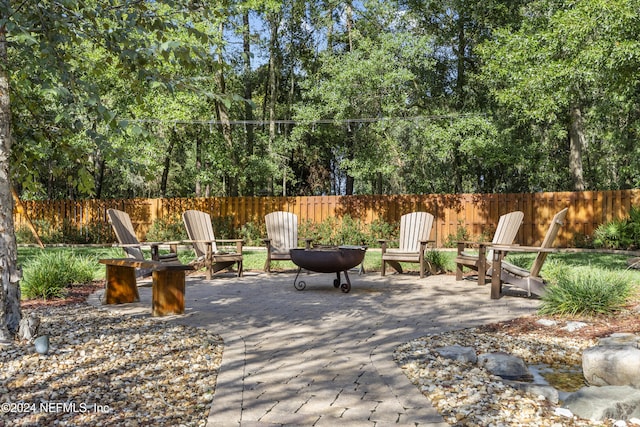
(518, 248)
(462, 244)
(472, 243)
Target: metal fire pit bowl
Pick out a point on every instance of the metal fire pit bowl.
(328, 260)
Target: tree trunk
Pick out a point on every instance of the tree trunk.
(248, 93)
(100, 164)
(576, 145)
(274, 22)
(198, 186)
(167, 164)
(10, 274)
(223, 118)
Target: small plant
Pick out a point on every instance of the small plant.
(619, 233)
(50, 273)
(24, 235)
(461, 234)
(440, 262)
(252, 234)
(611, 235)
(586, 291)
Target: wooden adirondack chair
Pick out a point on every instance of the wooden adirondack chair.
(503, 272)
(205, 245)
(415, 229)
(282, 235)
(506, 231)
(127, 240)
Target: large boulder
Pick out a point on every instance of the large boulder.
(615, 361)
(601, 403)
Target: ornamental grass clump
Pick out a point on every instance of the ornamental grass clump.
(586, 291)
(49, 274)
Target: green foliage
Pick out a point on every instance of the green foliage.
(519, 260)
(586, 291)
(346, 231)
(24, 235)
(50, 273)
(69, 233)
(252, 234)
(462, 234)
(619, 233)
(439, 261)
(166, 230)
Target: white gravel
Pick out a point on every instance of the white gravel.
(466, 395)
(106, 369)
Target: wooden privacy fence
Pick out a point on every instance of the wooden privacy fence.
(478, 213)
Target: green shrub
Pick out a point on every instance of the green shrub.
(50, 273)
(461, 234)
(47, 232)
(335, 231)
(166, 230)
(439, 260)
(612, 235)
(252, 234)
(380, 229)
(619, 233)
(24, 235)
(585, 291)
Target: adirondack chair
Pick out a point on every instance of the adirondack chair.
(503, 272)
(282, 235)
(205, 245)
(505, 234)
(127, 240)
(415, 229)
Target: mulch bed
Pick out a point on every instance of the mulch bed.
(76, 294)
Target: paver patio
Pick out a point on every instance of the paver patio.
(320, 357)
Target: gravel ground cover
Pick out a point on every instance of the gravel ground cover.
(470, 396)
(105, 369)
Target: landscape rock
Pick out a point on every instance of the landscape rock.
(505, 366)
(601, 403)
(546, 391)
(547, 322)
(458, 353)
(611, 363)
(574, 326)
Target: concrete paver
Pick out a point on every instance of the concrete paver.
(321, 357)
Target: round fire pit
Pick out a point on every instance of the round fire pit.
(328, 260)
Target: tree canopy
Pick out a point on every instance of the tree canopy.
(182, 98)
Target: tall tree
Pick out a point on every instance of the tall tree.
(44, 37)
(565, 62)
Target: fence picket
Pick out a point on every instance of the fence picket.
(478, 213)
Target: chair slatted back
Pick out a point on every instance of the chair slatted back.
(414, 228)
(282, 229)
(507, 229)
(125, 233)
(199, 227)
(549, 238)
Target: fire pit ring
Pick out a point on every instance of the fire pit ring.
(332, 259)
